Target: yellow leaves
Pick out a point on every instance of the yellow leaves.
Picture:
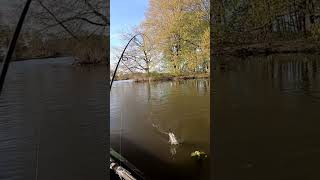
(180, 31)
(205, 43)
(315, 32)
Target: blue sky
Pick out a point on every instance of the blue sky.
(123, 15)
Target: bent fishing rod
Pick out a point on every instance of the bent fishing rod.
(5, 67)
(12, 45)
(122, 172)
(121, 57)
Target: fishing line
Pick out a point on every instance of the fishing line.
(38, 149)
(120, 134)
(112, 80)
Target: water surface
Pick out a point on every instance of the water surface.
(266, 117)
(61, 111)
(141, 114)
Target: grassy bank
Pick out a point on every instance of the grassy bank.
(143, 77)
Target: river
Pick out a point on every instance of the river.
(266, 117)
(266, 121)
(141, 114)
(59, 111)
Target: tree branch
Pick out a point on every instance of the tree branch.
(104, 18)
(57, 20)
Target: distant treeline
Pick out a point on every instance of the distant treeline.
(253, 21)
(58, 28)
(85, 50)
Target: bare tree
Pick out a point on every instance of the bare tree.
(74, 17)
(78, 27)
(139, 55)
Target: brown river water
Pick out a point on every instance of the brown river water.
(266, 117)
(265, 121)
(141, 114)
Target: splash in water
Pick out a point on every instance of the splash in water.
(172, 139)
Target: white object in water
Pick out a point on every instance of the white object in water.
(122, 172)
(172, 139)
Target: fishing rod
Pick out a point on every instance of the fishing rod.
(12, 45)
(5, 67)
(121, 57)
(122, 172)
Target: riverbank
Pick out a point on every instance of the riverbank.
(75, 63)
(34, 58)
(142, 77)
(276, 47)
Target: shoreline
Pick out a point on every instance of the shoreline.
(163, 78)
(52, 57)
(33, 58)
(276, 47)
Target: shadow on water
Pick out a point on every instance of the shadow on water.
(266, 117)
